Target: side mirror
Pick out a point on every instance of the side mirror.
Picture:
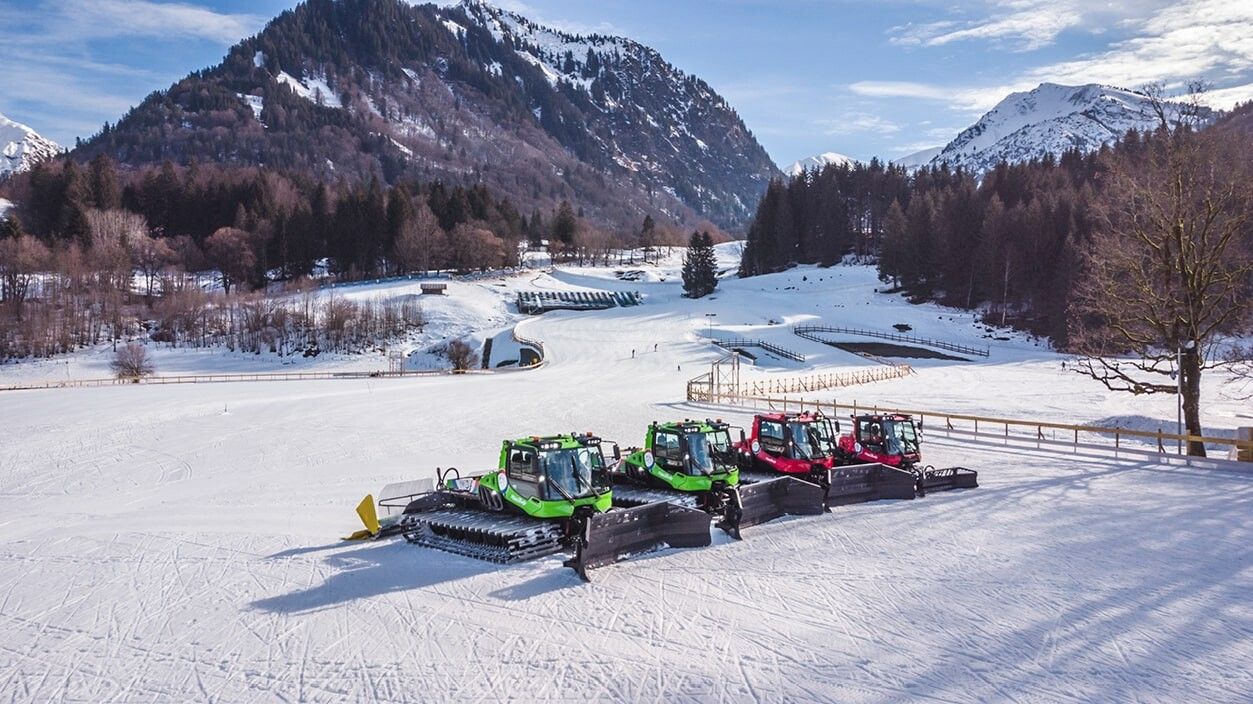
(742, 435)
(617, 452)
(837, 427)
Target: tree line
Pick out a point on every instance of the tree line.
(1138, 258)
(90, 250)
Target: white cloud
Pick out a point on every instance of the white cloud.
(1025, 25)
(61, 85)
(855, 122)
(1028, 25)
(120, 18)
(1194, 39)
(1210, 39)
(964, 98)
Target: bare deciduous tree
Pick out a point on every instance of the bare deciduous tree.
(21, 258)
(112, 235)
(462, 356)
(131, 361)
(422, 244)
(150, 255)
(1240, 366)
(1169, 268)
(230, 250)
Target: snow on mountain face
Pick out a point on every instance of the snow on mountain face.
(21, 148)
(918, 158)
(1050, 119)
(818, 163)
(658, 124)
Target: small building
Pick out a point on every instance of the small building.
(434, 288)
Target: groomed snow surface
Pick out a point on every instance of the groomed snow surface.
(180, 543)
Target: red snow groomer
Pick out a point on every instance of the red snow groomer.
(805, 446)
(892, 439)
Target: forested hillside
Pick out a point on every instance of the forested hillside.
(358, 90)
(1011, 243)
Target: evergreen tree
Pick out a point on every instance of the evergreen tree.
(104, 187)
(535, 229)
(648, 235)
(565, 227)
(894, 251)
(399, 213)
(700, 269)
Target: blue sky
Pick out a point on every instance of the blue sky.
(859, 77)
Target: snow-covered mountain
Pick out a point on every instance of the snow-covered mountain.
(818, 162)
(465, 93)
(918, 158)
(1050, 119)
(21, 147)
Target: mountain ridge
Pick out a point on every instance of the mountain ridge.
(22, 147)
(1050, 120)
(819, 162)
(465, 93)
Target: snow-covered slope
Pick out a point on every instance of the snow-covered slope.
(818, 162)
(918, 158)
(21, 147)
(1049, 119)
(180, 543)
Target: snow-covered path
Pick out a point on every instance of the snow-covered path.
(180, 543)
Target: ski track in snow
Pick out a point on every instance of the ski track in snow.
(155, 548)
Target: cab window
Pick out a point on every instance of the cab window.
(871, 433)
(772, 436)
(523, 472)
(667, 450)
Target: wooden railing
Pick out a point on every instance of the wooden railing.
(734, 343)
(807, 332)
(225, 378)
(702, 389)
(1006, 429)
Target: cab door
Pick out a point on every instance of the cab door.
(524, 475)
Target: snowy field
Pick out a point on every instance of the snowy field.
(181, 543)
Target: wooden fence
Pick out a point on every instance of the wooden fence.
(225, 378)
(735, 343)
(1008, 430)
(807, 332)
(703, 389)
